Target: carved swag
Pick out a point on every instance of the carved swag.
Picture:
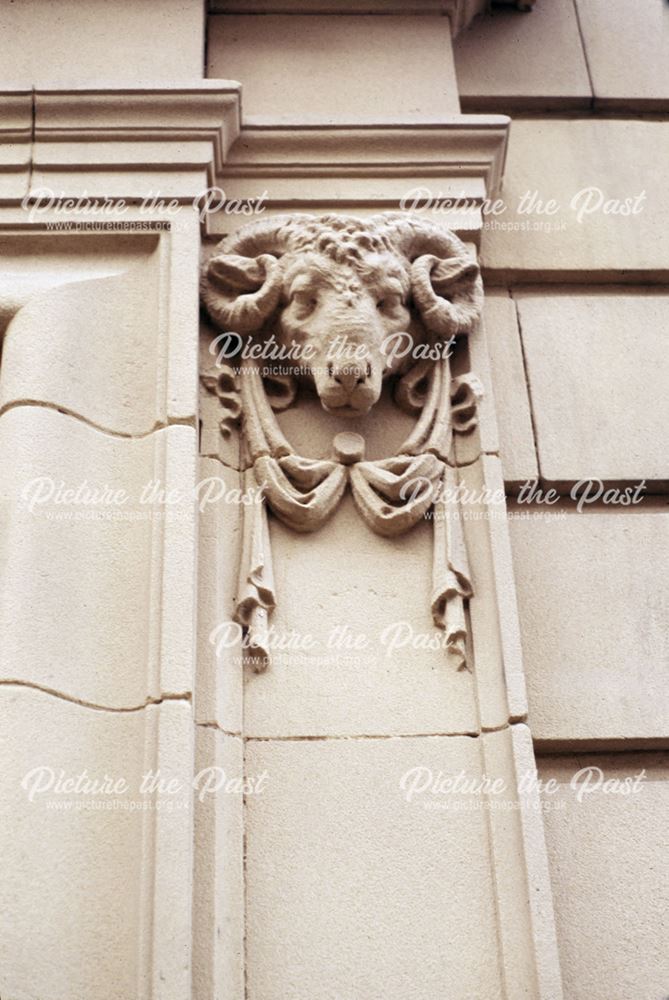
(310, 282)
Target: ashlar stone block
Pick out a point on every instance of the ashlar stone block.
(506, 388)
(75, 43)
(509, 61)
(328, 916)
(627, 46)
(608, 857)
(320, 69)
(97, 345)
(598, 373)
(593, 601)
(97, 546)
(581, 195)
(95, 894)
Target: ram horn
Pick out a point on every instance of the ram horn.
(445, 279)
(241, 281)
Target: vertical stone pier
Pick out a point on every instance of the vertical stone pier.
(352, 875)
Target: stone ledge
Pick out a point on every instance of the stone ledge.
(460, 12)
(368, 168)
(106, 136)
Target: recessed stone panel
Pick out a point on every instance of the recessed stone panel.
(353, 630)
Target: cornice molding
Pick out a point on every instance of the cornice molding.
(460, 12)
(332, 6)
(366, 168)
(15, 114)
(118, 137)
(452, 147)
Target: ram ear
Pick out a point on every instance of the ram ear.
(241, 293)
(448, 293)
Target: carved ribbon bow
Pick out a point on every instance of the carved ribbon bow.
(392, 495)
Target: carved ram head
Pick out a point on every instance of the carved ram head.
(343, 287)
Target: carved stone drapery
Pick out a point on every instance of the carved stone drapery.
(310, 282)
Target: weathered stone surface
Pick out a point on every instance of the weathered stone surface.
(344, 585)
(328, 915)
(539, 891)
(597, 370)
(218, 876)
(319, 68)
(627, 46)
(497, 659)
(528, 947)
(459, 12)
(213, 443)
(99, 584)
(511, 61)
(563, 160)
(507, 385)
(16, 115)
(87, 327)
(143, 145)
(129, 43)
(92, 348)
(218, 694)
(608, 860)
(420, 164)
(593, 600)
(107, 901)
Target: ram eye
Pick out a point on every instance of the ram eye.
(388, 303)
(305, 301)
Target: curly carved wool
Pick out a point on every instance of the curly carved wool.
(309, 283)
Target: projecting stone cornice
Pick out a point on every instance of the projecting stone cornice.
(367, 169)
(460, 12)
(108, 141)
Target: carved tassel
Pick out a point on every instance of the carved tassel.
(256, 596)
(451, 580)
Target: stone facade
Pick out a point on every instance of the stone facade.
(338, 675)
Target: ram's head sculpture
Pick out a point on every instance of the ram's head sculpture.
(341, 291)
(323, 281)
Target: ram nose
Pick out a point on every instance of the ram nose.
(350, 376)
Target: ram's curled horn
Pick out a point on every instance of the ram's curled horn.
(445, 279)
(241, 283)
